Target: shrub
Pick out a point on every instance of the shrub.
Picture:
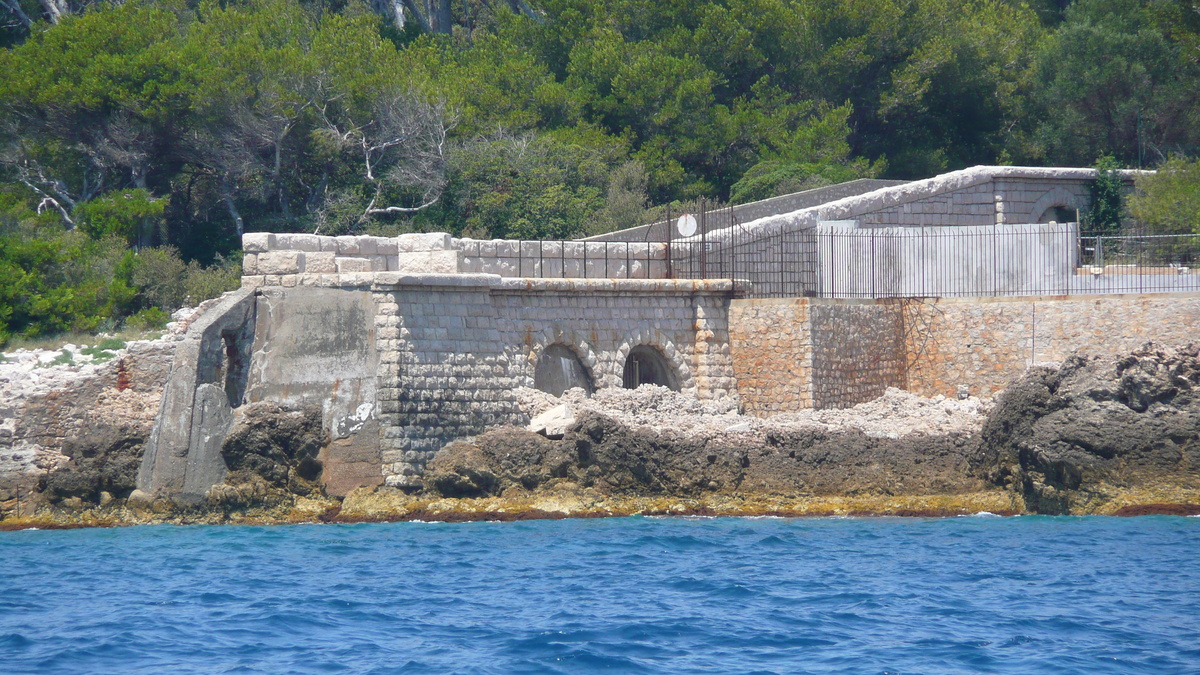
(202, 283)
(158, 275)
(151, 318)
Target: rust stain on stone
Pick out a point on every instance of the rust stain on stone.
(123, 380)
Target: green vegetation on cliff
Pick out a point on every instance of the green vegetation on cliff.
(141, 138)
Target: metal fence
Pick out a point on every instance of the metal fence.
(998, 261)
(843, 260)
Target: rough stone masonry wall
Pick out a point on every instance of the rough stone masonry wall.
(771, 343)
(983, 344)
(800, 353)
(857, 351)
(796, 353)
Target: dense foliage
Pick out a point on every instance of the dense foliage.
(148, 134)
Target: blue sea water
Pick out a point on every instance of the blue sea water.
(624, 595)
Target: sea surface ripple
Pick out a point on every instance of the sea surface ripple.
(625, 595)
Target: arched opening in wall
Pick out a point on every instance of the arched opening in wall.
(648, 365)
(559, 369)
(1059, 214)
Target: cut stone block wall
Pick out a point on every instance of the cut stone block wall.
(453, 348)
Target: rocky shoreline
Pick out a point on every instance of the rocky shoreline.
(1116, 435)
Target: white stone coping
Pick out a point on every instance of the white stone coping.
(383, 281)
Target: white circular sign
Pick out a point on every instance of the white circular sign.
(686, 225)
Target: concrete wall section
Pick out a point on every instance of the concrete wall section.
(316, 347)
(208, 375)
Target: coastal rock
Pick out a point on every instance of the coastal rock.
(602, 453)
(104, 459)
(1082, 434)
(269, 449)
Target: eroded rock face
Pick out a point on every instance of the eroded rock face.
(1084, 432)
(104, 459)
(271, 451)
(602, 453)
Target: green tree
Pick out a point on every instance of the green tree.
(1111, 79)
(1168, 201)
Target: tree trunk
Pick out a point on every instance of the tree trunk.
(56, 9)
(442, 20)
(416, 12)
(227, 195)
(14, 6)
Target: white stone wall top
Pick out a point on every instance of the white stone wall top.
(390, 280)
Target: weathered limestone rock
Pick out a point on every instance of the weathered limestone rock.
(553, 423)
(1083, 434)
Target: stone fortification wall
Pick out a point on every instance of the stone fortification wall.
(825, 353)
(402, 364)
(983, 344)
(453, 348)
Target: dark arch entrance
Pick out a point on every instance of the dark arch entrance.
(559, 369)
(1058, 214)
(647, 365)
